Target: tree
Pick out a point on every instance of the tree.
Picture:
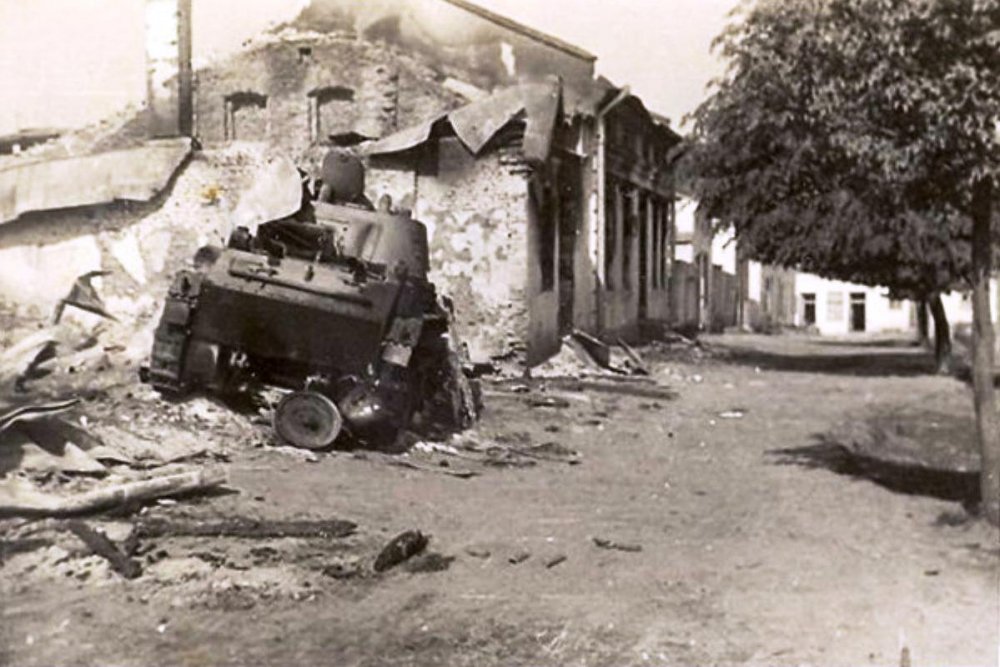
(857, 139)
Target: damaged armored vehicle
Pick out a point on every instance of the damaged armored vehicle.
(331, 303)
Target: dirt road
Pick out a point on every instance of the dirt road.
(749, 554)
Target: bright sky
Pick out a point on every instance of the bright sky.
(69, 62)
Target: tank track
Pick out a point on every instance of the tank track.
(172, 335)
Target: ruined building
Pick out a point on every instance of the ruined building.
(547, 192)
(550, 208)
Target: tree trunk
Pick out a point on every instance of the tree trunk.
(942, 333)
(923, 324)
(987, 419)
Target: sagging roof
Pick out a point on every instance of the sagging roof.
(134, 174)
(522, 29)
(476, 123)
(539, 104)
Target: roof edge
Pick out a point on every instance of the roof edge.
(516, 26)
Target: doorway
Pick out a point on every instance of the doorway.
(858, 314)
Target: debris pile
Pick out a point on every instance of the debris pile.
(582, 355)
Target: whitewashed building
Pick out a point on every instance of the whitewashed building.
(837, 307)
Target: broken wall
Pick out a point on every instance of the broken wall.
(295, 91)
(141, 244)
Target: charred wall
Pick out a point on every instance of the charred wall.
(459, 38)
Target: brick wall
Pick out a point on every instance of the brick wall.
(294, 91)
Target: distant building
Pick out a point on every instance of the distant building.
(837, 307)
(715, 287)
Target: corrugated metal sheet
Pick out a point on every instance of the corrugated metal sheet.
(135, 174)
(475, 124)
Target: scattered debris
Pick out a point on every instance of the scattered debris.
(35, 411)
(403, 461)
(638, 365)
(478, 552)
(735, 413)
(341, 571)
(100, 544)
(548, 402)
(83, 295)
(429, 562)
(28, 501)
(595, 350)
(400, 548)
(20, 359)
(617, 546)
(552, 451)
(555, 560)
(244, 528)
(519, 557)
(304, 455)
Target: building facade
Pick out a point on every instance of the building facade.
(558, 218)
(833, 307)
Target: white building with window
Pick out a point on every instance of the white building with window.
(837, 307)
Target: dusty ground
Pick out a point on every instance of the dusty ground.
(760, 542)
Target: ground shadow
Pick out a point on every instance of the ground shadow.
(881, 360)
(826, 453)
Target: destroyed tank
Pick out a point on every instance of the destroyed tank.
(332, 303)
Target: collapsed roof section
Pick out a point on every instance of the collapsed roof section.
(540, 105)
(475, 124)
(133, 174)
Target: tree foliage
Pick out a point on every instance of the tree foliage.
(846, 136)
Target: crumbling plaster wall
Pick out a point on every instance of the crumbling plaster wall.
(475, 210)
(142, 245)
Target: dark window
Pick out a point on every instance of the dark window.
(330, 111)
(809, 309)
(635, 209)
(610, 232)
(245, 116)
(545, 209)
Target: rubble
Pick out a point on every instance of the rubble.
(605, 543)
(400, 548)
(99, 543)
(84, 296)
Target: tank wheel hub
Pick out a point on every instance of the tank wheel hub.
(307, 419)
